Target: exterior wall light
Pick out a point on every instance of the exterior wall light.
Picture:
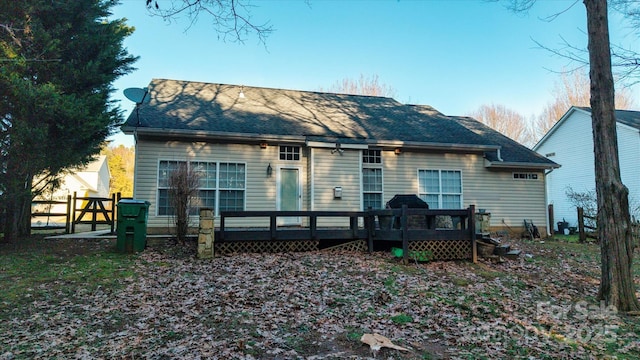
(397, 151)
(269, 170)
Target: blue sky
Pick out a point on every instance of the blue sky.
(453, 55)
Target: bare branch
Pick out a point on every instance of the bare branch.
(231, 19)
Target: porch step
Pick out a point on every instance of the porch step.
(502, 250)
(513, 254)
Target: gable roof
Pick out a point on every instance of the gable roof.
(206, 111)
(627, 117)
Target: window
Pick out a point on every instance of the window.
(206, 195)
(441, 189)
(371, 157)
(164, 173)
(224, 182)
(525, 176)
(232, 179)
(290, 153)
(371, 188)
(371, 179)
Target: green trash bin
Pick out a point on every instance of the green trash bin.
(132, 225)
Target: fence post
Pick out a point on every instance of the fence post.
(67, 226)
(551, 222)
(583, 235)
(73, 214)
(113, 212)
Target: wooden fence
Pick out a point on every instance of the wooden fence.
(587, 228)
(413, 230)
(79, 210)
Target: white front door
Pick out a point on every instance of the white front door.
(289, 194)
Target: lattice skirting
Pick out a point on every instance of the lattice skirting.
(264, 247)
(357, 245)
(444, 249)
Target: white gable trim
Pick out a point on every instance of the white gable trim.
(558, 124)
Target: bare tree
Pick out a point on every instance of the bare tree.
(231, 19)
(573, 89)
(506, 121)
(614, 220)
(364, 85)
(614, 231)
(183, 187)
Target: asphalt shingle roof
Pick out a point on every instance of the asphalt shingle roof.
(218, 108)
(627, 117)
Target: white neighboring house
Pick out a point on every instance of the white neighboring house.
(92, 180)
(570, 144)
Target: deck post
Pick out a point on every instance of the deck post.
(221, 226)
(371, 228)
(313, 226)
(273, 226)
(472, 232)
(206, 234)
(404, 224)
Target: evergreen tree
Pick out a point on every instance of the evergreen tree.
(59, 61)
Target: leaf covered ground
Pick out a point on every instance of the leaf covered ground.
(80, 299)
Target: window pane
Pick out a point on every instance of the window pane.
(206, 174)
(164, 203)
(165, 168)
(204, 199)
(231, 200)
(428, 181)
(431, 200)
(372, 200)
(451, 201)
(232, 176)
(291, 153)
(371, 157)
(451, 182)
(371, 180)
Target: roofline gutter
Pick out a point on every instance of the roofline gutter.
(211, 135)
(520, 165)
(244, 137)
(435, 146)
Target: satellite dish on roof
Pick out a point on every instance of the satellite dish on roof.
(137, 95)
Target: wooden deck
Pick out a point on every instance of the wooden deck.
(405, 228)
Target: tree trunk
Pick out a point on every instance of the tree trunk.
(18, 207)
(614, 230)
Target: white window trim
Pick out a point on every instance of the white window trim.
(364, 166)
(293, 146)
(217, 188)
(440, 193)
(529, 176)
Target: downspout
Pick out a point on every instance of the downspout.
(546, 202)
(498, 154)
(312, 179)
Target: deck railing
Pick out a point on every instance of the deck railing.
(400, 227)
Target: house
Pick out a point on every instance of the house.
(570, 143)
(275, 149)
(92, 180)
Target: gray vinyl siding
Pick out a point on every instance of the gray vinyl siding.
(260, 189)
(496, 191)
(332, 170)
